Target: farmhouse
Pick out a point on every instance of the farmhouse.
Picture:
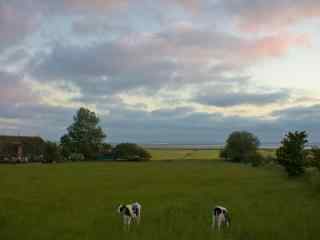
(21, 148)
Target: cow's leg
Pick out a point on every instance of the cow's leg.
(213, 225)
(219, 222)
(139, 215)
(227, 223)
(137, 219)
(129, 223)
(126, 222)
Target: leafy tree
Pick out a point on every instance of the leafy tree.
(75, 157)
(105, 148)
(130, 152)
(241, 147)
(66, 146)
(257, 159)
(84, 135)
(51, 152)
(316, 157)
(291, 153)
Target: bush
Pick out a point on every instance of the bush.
(292, 154)
(316, 157)
(51, 152)
(240, 147)
(257, 160)
(104, 148)
(130, 152)
(76, 157)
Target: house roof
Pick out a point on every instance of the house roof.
(20, 140)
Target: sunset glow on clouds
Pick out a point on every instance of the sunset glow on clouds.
(161, 71)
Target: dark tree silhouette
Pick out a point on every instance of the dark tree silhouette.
(84, 135)
(291, 153)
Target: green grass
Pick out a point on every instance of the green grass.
(194, 154)
(184, 154)
(79, 200)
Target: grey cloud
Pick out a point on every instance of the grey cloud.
(172, 113)
(307, 113)
(17, 22)
(170, 58)
(228, 98)
(197, 127)
(180, 125)
(35, 119)
(104, 69)
(14, 90)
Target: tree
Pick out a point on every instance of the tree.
(66, 146)
(51, 152)
(84, 135)
(105, 148)
(130, 152)
(241, 147)
(291, 154)
(316, 157)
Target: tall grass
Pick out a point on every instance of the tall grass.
(78, 201)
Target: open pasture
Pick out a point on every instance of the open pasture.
(184, 154)
(79, 201)
(194, 154)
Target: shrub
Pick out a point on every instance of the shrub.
(76, 157)
(223, 154)
(240, 147)
(257, 160)
(269, 159)
(104, 148)
(316, 157)
(291, 153)
(51, 152)
(130, 152)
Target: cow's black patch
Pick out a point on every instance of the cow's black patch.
(217, 211)
(135, 210)
(125, 210)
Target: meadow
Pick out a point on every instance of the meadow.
(79, 201)
(194, 154)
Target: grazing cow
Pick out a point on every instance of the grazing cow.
(220, 217)
(131, 213)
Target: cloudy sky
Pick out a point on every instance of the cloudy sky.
(161, 71)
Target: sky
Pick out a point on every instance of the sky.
(161, 71)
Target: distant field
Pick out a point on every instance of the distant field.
(78, 201)
(195, 154)
(184, 154)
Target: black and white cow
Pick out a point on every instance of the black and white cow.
(220, 217)
(131, 213)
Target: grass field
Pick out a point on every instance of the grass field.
(184, 154)
(194, 154)
(79, 200)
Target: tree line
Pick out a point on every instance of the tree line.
(84, 140)
(292, 154)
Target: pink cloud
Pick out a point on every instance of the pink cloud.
(193, 45)
(14, 89)
(15, 24)
(273, 46)
(266, 16)
(256, 15)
